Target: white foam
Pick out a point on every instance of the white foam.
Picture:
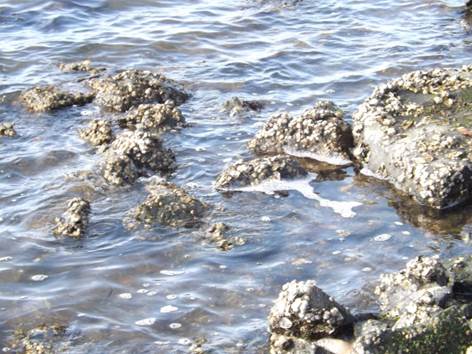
(168, 309)
(332, 159)
(171, 272)
(303, 186)
(146, 321)
(369, 173)
(39, 277)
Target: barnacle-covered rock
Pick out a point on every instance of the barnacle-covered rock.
(130, 88)
(7, 129)
(85, 66)
(169, 205)
(216, 234)
(43, 339)
(415, 132)
(319, 133)
(236, 106)
(98, 132)
(153, 116)
(244, 173)
(49, 98)
(134, 154)
(74, 221)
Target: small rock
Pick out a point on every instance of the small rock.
(160, 117)
(74, 221)
(49, 98)
(85, 65)
(7, 129)
(97, 133)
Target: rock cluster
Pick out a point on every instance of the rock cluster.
(7, 129)
(130, 88)
(74, 221)
(153, 116)
(85, 65)
(415, 133)
(170, 205)
(216, 234)
(134, 154)
(98, 132)
(320, 132)
(243, 173)
(49, 98)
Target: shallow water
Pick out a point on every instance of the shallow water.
(156, 290)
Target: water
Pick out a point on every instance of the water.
(157, 290)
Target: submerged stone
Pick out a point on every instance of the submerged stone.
(244, 173)
(134, 154)
(85, 66)
(169, 205)
(44, 339)
(237, 106)
(74, 221)
(130, 88)
(319, 133)
(153, 116)
(49, 98)
(98, 132)
(217, 235)
(415, 133)
(7, 129)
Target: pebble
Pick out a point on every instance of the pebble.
(39, 277)
(146, 321)
(168, 309)
(382, 237)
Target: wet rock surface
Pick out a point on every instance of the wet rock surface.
(74, 221)
(236, 106)
(97, 133)
(49, 98)
(217, 235)
(319, 132)
(44, 339)
(130, 88)
(7, 129)
(153, 116)
(169, 205)
(134, 154)
(244, 173)
(80, 66)
(415, 133)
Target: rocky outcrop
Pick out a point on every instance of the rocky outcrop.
(415, 133)
(129, 88)
(74, 221)
(319, 133)
(98, 132)
(7, 129)
(153, 116)
(49, 98)
(244, 173)
(169, 205)
(134, 154)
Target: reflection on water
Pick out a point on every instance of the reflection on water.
(161, 289)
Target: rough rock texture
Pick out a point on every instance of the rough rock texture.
(7, 129)
(97, 133)
(304, 310)
(130, 88)
(134, 154)
(416, 133)
(243, 173)
(237, 106)
(320, 132)
(85, 65)
(169, 205)
(49, 98)
(153, 116)
(216, 234)
(44, 339)
(74, 221)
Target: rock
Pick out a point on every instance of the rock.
(74, 221)
(49, 98)
(85, 65)
(7, 129)
(97, 133)
(134, 154)
(460, 270)
(244, 173)
(304, 311)
(413, 132)
(319, 133)
(130, 88)
(169, 205)
(153, 116)
(217, 235)
(237, 106)
(44, 339)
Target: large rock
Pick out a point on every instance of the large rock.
(74, 221)
(49, 98)
(130, 88)
(153, 116)
(134, 154)
(319, 133)
(244, 173)
(415, 133)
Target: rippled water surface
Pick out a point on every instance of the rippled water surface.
(287, 53)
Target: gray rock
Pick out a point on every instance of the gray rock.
(153, 116)
(49, 98)
(74, 221)
(98, 132)
(7, 129)
(414, 132)
(319, 133)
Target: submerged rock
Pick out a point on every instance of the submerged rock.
(320, 133)
(85, 65)
(415, 133)
(130, 88)
(153, 116)
(44, 339)
(217, 235)
(244, 173)
(237, 106)
(74, 221)
(7, 129)
(134, 154)
(49, 98)
(98, 132)
(169, 205)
